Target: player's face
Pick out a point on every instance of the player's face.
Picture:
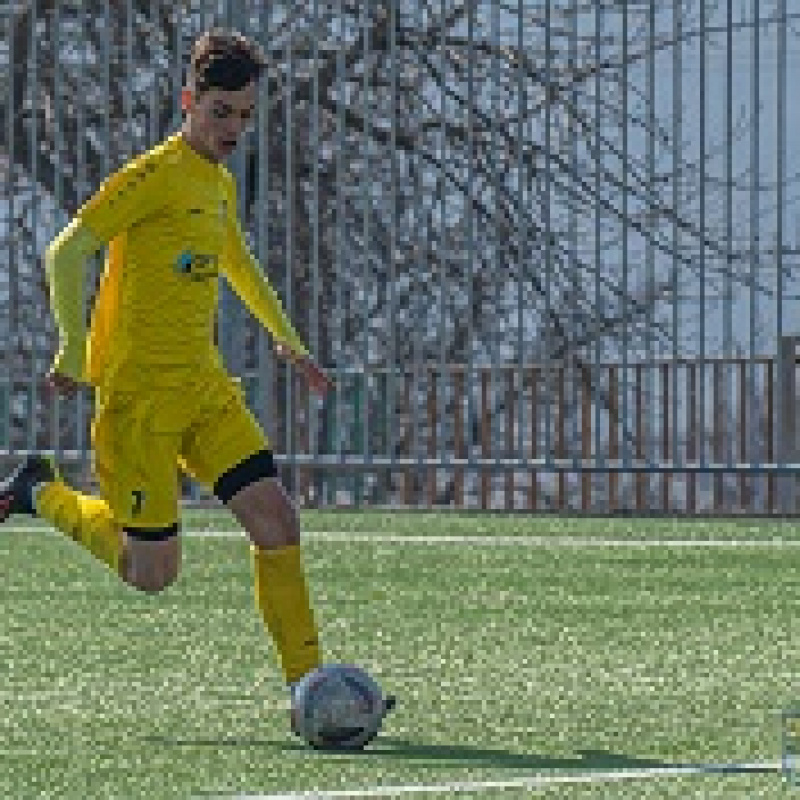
(216, 118)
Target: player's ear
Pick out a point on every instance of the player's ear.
(186, 98)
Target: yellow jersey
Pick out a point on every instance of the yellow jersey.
(171, 223)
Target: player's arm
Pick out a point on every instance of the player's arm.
(65, 266)
(248, 280)
(124, 199)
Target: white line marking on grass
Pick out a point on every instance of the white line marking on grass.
(516, 541)
(518, 783)
(513, 541)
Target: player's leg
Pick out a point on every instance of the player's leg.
(229, 453)
(147, 559)
(36, 489)
(132, 527)
(263, 508)
(267, 513)
(152, 557)
(134, 462)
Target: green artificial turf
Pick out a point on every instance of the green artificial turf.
(559, 660)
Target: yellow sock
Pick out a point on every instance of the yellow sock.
(282, 597)
(84, 518)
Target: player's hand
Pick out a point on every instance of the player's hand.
(57, 382)
(317, 380)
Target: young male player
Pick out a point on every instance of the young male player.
(163, 399)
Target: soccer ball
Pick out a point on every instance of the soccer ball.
(337, 707)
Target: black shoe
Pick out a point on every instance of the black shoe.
(15, 491)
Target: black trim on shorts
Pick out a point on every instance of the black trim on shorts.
(253, 468)
(153, 534)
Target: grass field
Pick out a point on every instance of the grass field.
(546, 657)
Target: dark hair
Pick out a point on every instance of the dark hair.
(225, 60)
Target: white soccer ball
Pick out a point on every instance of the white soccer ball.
(338, 707)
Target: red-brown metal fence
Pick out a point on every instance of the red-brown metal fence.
(697, 438)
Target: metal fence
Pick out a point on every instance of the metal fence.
(546, 249)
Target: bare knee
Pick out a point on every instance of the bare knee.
(149, 582)
(267, 513)
(150, 566)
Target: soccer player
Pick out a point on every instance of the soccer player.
(163, 400)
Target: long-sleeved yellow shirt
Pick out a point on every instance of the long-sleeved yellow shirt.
(170, 221)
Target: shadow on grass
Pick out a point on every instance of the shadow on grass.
(447, 755)
(584, 760)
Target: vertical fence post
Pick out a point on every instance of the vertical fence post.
(786, 440)
(613, 437)
(691, 449)
(586, 436)
(408, 478)
(331, 434)
(770, 383)
(358, 442)
(719, 426)
(433, 445)
(486, 445)
(385, 475)
(459, 444)
(666, 454)
(533, 502)
(639, 476)
(510, 412)
(744, 482)
(561, 437)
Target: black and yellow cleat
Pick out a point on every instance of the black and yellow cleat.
(16, 496)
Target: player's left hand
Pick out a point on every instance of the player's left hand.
(56, 382)
(317, 380)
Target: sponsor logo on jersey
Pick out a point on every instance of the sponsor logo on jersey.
(197, 266)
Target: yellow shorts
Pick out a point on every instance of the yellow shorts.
(141, 439)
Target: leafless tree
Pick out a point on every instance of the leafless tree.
(438, 171)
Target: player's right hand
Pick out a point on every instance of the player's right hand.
(61, 383)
